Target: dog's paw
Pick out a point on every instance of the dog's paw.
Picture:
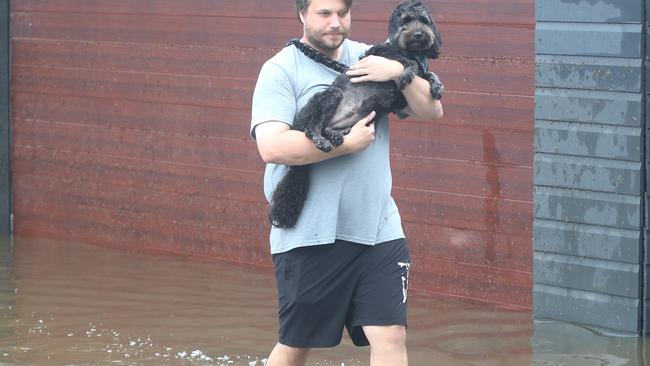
(324, 145)
(335, 137)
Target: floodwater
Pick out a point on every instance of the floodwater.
(66, 303)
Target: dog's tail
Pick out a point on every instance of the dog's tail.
(289, 197)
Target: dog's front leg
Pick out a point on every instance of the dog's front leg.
(409, 73)
(317, 116)
(437, 88)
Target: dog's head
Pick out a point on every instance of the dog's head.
(412, 29)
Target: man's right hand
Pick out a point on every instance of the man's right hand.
(361, 135)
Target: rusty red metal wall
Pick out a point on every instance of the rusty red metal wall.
(131, 130)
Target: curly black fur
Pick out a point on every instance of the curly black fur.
(330, 114)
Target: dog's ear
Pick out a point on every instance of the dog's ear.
(393, 23)
(434, 50)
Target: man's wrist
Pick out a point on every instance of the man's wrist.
(346, 147)
(399, 74)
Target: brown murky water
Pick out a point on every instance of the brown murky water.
(72, 304)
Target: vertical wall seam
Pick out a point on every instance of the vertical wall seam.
(10, 117)
(643, 281)
(6, 198)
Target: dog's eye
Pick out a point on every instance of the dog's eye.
(405, 20)
(424, 20)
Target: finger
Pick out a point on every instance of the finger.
(367, 118)
(370, 116)
(360, 79)
(357, 64)
(354, 72)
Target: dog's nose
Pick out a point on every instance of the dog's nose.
(418, 35)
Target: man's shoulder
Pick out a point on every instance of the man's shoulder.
(357, 46)
(355, 50)
(285, 58)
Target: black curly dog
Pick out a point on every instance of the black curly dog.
(330, 114)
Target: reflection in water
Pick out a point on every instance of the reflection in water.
(6, 286)
(72, 304)
(565, 344)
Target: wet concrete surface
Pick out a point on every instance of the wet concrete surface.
(65, 303)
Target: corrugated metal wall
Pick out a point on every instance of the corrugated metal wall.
(588, 162)
(131, 122)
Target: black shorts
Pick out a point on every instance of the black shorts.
(323, 288)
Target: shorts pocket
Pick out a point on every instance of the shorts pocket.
(288, 267)
(283, 266)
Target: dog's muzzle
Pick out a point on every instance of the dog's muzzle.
(418, 42)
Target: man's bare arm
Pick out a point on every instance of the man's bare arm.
(278, 144)
(421, 105)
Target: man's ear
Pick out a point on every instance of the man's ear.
(302, 18)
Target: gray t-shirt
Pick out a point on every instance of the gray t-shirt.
(350, 195)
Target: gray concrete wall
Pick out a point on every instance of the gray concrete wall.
(5, 132)
(589, 158)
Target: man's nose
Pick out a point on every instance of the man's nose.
(336, 22)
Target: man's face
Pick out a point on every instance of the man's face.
(326, 24)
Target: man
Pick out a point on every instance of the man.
(345, 263)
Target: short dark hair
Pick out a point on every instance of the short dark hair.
(301, 5)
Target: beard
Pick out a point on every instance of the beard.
(320, 40)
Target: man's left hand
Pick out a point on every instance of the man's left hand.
(375, 68)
